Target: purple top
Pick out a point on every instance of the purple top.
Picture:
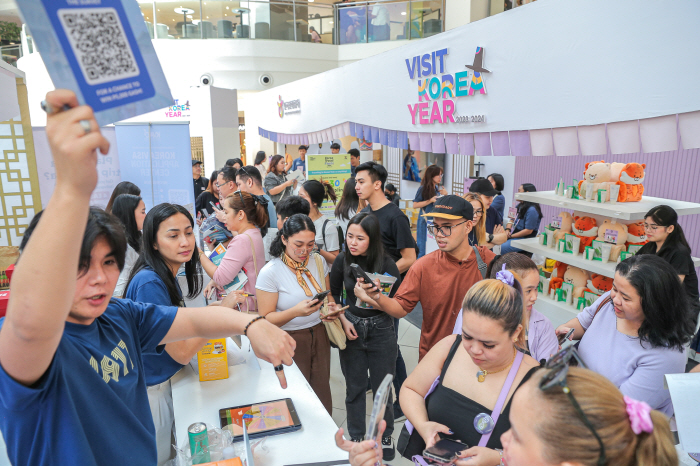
(541, 339)
(636, 369)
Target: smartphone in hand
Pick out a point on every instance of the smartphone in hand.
(360, 274)
(321, 296)
(567, 336)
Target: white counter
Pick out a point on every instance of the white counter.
(200, 402)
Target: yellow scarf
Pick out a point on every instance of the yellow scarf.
(298, 268)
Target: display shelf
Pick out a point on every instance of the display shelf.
(607, 269)
(556, 311)
(619, 210)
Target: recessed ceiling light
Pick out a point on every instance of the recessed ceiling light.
(403, 13)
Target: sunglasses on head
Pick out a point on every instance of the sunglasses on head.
(558, 367)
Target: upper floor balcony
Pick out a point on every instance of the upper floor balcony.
(320, 21)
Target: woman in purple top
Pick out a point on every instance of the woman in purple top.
(540, 340)
(637, 332)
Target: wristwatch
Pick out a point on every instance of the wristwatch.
(490, 237)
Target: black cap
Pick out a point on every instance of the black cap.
(452, 207)
(195, 162)
(483, 186)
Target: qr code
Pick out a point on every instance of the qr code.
(178, 196)
(99, 44)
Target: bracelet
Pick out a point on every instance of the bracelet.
(500, 452)
(245, 330)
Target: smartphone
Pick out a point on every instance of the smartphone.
(378, 408)
(445, 451)
(567, 336)
(359, 273)
(261, 419)
(321, 296)
(214, 206)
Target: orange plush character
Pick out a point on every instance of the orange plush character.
(599, 284)
(636, 234)
(586, 229)
(631, 182)
(557, 277)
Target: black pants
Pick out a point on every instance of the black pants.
(374, 350)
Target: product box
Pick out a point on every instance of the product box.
(573, 243)
(4, 299)
(581, 303)
(212, 361)
(567, 292)
(624, 255)
(543, 277)
(597, 250)
(229, 462)
(590, 297)
(589, 252)
(634, 248)
(561, 245)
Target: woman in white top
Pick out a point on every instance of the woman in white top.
(285, 288)
(260, 163)
(131, 210)
(348, 206)
(327, 239)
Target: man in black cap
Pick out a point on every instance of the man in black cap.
(486, 191)
(200, 182)
(441, 279)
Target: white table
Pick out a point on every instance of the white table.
(200, 402)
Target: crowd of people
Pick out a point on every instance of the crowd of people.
(103, 342)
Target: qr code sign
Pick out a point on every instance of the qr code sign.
(99, 43)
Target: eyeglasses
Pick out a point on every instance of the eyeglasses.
(301, 251)
(240, 194)
(478, 212)
(558, 367)
(652, 227)
(444, 231)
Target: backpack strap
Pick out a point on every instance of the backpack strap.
(323, 232)
(480, 262)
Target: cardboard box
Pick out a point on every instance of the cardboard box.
(212, 361)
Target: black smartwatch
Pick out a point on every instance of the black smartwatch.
(490, 237)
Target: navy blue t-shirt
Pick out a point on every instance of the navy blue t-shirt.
(90, 407)
(147, 287)
(493, 218)
(530, 221)
(419, 198)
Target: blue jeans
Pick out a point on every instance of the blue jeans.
(506, 247)
(373, 350)
(421, 234)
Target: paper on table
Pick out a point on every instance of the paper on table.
(684, 390)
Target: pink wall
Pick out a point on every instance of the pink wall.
(669, 175)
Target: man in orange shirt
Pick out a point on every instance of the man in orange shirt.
(441, 279)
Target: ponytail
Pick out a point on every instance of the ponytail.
(319, 191)
(656, 448)
(254, 207)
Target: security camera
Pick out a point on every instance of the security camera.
(265, 79)
(206, 79)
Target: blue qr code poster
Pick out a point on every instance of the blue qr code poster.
(102, 51)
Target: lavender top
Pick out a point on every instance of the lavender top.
(634, 367)
(542, 341)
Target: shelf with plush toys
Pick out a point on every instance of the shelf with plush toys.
(589, 243)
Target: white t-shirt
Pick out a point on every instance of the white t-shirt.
(382, 15)
(276, 277)
(331, 234)
(344, 223)
(129, 261)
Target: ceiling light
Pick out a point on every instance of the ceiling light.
(403, 13)
(330, 22)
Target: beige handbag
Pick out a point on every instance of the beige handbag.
(334, 329)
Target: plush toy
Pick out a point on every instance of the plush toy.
(586, 229)
(574, 275)
(600, 175)
(566, 222)
(599, 284)
(631, 182)
(619, 245)
(557, 276)
(636, 234)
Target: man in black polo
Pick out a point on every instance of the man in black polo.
(200, 183)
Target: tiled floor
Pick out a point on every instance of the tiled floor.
(408, 342)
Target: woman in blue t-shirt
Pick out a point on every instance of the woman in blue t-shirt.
(527, 220)
(168, 243)
(426, 196)
(499, 200)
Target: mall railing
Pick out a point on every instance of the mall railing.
(11, 53)
(294, 20)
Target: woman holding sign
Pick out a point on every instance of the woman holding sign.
(246, 214)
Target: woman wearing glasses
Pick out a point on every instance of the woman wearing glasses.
(246, 214)
(478, 235)
(637, 332)
(588, 422)
(285, 289)
(462, 387)
(667, 240)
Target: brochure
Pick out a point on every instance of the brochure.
(387, 283)
(216, 255)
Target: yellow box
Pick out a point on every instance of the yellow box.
(230, 462)
(212, 361)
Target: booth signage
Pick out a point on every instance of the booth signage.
(291, 106)
(438, 90)
(178, 110)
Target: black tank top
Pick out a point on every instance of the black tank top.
(456, 411)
